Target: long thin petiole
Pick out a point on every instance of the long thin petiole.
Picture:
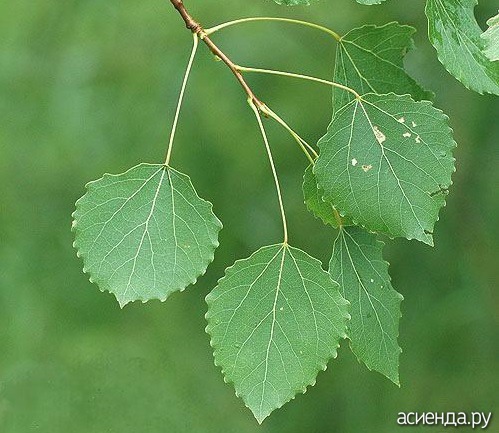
(303, 144)
(181, 97)
(285, 20)
(300, 76)
(274, 173)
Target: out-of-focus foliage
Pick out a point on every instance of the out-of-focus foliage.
(90, 87)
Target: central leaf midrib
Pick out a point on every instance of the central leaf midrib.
(146, 230)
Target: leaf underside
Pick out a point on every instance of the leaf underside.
(491, 38)
(386, 162)
(307, 2)
(358, 266)
(455, 34)
(144, 234)
(370, 59)
(275, 319)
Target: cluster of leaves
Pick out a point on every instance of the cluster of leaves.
(466, 52)
(384, 168)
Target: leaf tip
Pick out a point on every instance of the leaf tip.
(260, 418)
(122, 302)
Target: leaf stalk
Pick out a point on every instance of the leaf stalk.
(272, 165)
(278, 19)
(181, 97)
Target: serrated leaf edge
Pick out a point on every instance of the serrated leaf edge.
(411, 47)
(103, 286)
(459, 76)
(374, 3)
(450, 131)
(379, 246)
(317, 217)
(321, 367)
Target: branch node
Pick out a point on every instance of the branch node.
(197, 29)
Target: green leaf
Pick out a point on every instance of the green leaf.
(307, 2)
(145, 233)
(491, 37)
(455, 34)
(275, 319)
(315, 203)
(358, 266)
(386, 162)
(292, 2)
(370, 2)
(371, 59)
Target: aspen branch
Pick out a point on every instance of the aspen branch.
(196, 28)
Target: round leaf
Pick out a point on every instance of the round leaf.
(145, 233)
(386, 162)
(275, 320)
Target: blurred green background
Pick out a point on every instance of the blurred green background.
(88, 87)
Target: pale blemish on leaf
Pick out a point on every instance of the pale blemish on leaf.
(379, 135)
